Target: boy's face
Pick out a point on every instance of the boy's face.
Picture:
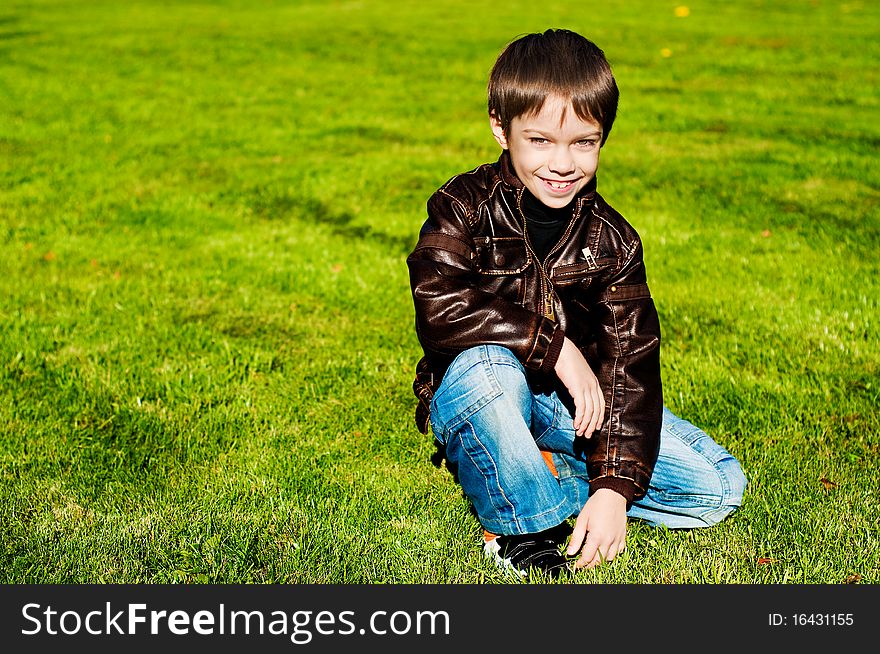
(554, 156)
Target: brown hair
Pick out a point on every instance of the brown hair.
(557, 62)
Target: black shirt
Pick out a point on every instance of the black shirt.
(544, 224)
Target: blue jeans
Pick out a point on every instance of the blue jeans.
(493, 427)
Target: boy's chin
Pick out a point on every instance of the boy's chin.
(555, 201)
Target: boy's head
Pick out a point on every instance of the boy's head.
(552, 101)
(557, 63)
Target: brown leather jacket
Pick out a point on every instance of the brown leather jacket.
(476, 280)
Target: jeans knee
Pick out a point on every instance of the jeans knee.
(733, 484)
(477, 377)
(493, 361)
(485, 355)
(736, 481)
(498, 355)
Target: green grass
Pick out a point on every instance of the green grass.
(206, 332)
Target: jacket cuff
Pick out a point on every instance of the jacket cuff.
(622, 486)
(552, 356)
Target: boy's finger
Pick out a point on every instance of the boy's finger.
(577, 536)
(588, 413)
(592, 419)
(588, 416)
(588, 555)
(610, 552)
(598, 409)
(578, 409)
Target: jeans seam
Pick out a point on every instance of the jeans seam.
(486, 478)
(515, 518)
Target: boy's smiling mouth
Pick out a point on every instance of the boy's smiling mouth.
(557, 185)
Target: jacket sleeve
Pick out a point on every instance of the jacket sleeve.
(628, 356)
(453, 313)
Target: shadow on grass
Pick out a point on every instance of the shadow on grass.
(95, 440)
(275, 205)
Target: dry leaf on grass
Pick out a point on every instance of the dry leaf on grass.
(827, 483)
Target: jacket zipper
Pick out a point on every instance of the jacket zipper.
(545, 285)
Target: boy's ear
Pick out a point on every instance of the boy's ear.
(497, 130)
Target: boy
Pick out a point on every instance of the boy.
(541, 368)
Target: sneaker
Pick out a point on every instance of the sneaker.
(524, 553)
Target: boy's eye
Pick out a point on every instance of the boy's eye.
(537, 140)
(587, 143)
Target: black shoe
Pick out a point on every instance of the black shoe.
(524, 553)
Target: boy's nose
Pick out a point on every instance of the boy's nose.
(561, 162)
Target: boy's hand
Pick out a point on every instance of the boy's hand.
(578, 378)
(603, 522)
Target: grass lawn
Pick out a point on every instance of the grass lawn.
(206, 329)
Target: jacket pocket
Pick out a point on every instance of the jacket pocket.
(501, 256)
(501, 264)
(581, 273)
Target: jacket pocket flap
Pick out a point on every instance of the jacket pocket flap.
(573, 272)
(501, 256)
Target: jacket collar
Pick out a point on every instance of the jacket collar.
(508, 176)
